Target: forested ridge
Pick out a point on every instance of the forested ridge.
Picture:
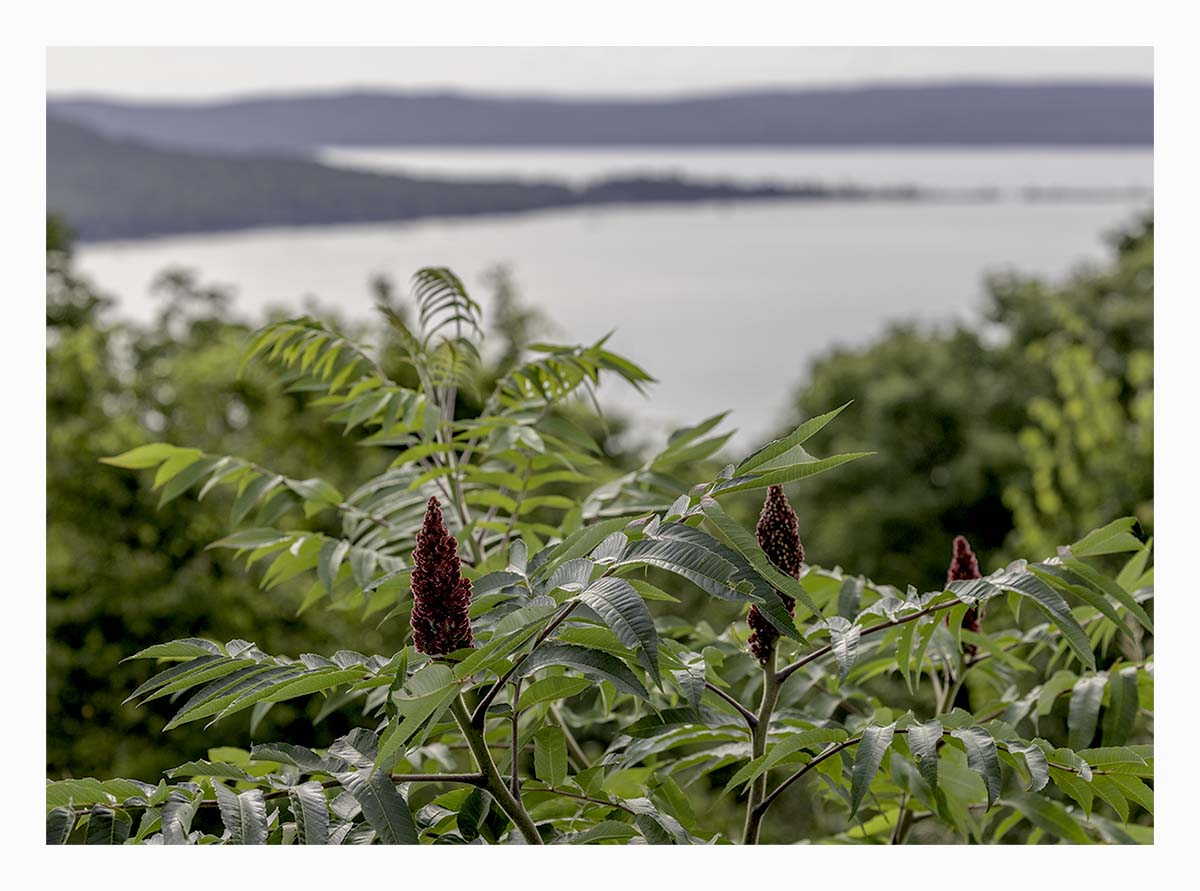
(976, 114)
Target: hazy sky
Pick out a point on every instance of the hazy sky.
(213, 72)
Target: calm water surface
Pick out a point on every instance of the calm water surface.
(726, 304)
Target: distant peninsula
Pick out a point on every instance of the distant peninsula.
(109, 188)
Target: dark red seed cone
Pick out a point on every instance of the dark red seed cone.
(778, 533)
(441, 621)
(965, 566)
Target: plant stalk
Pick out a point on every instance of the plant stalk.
(493, 782)
(515, 776)
(902, 823)
(770, 696)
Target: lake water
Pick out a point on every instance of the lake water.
(725, 303)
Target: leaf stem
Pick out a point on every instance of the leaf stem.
(787, 671)
(468, 779)
(582, 762)
(828, 753)
(492, 781)
(589, 798)
(515, 779)
(480, 714)
(853, 741)
(751, 718)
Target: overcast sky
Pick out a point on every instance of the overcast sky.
(199, 73)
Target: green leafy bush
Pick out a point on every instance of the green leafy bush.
(1014, 706)
(123, 572)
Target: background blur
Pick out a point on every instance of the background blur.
(959, 240)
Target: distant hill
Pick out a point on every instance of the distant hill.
(108, 188)
(949, 114)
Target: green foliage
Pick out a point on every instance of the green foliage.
(588, 711)
(123, 573)
(1094, 426)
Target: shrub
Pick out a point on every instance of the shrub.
(576, 707)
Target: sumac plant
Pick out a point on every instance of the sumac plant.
(565, 680)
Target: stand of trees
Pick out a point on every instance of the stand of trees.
(1019, 435)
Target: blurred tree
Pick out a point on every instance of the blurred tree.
(940, 410)
(1089, 443)
(120, 572)
(516, 324)
(1043, 419)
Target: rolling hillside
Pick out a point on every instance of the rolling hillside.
(946, 114)
(108, 188)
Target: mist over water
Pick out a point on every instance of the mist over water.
(726, 304)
